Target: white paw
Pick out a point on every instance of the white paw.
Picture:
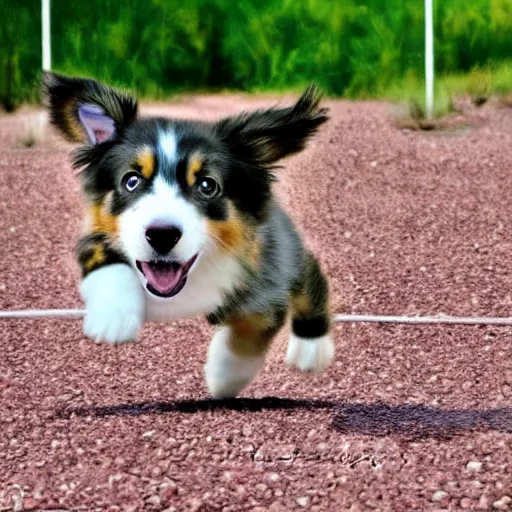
(114, 304)
(310, 354)
(226, 373)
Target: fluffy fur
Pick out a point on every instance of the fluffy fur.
(226, 372)
(115, 304)
(181, 221)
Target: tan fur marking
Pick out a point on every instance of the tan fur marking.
(231, 234)
(75, 130)
(101, 221)
(195, 164)
(97, 258)
(248, 338)
(146, 162)
(300, 304)
(237, 237)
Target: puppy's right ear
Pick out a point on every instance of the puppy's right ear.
(85, 110)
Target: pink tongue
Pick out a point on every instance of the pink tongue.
(163, 279)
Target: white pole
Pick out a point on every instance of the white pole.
(47, 51)
(429, 59)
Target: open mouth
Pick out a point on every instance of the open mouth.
(165, 278)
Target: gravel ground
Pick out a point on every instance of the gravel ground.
(407, 418)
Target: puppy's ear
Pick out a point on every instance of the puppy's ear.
(85, 110)
(265, 136)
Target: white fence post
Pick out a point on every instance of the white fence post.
(47, 50)
(429, 59)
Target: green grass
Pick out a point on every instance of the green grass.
(482, 81)
(480, 84)
(352, 49)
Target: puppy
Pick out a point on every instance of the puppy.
(181, 221)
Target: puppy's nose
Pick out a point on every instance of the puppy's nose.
(163, 238)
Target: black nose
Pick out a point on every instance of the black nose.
(163, 238)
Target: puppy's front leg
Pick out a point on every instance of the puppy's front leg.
(113, 294)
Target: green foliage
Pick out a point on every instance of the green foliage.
(20, 51)
(350, 48)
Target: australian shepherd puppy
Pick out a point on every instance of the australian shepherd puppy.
(181, 221)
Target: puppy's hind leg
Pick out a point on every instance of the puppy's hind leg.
(311, 345)
(237, 352)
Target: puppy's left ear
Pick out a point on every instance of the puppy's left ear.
(86, 110)
(265, 136)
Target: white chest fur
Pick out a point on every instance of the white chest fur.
(205, 290)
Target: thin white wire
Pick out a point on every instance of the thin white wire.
(440, 319)
(71, 314)
(66, 314)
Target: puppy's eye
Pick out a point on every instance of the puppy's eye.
(131, 181)
(208, 187)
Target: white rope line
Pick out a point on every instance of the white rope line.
(71, 314)
(66, 314)
(440, 319)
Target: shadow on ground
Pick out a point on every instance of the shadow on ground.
(413, 422)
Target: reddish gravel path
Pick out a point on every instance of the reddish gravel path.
(407, 418)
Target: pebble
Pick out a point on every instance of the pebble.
(114, 478)
(302, 501)
(156, 472)
(247, 430)
(154, 500)
(503, 503)
(439, 495)
(474, 465)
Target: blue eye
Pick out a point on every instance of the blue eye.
(131, 182)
